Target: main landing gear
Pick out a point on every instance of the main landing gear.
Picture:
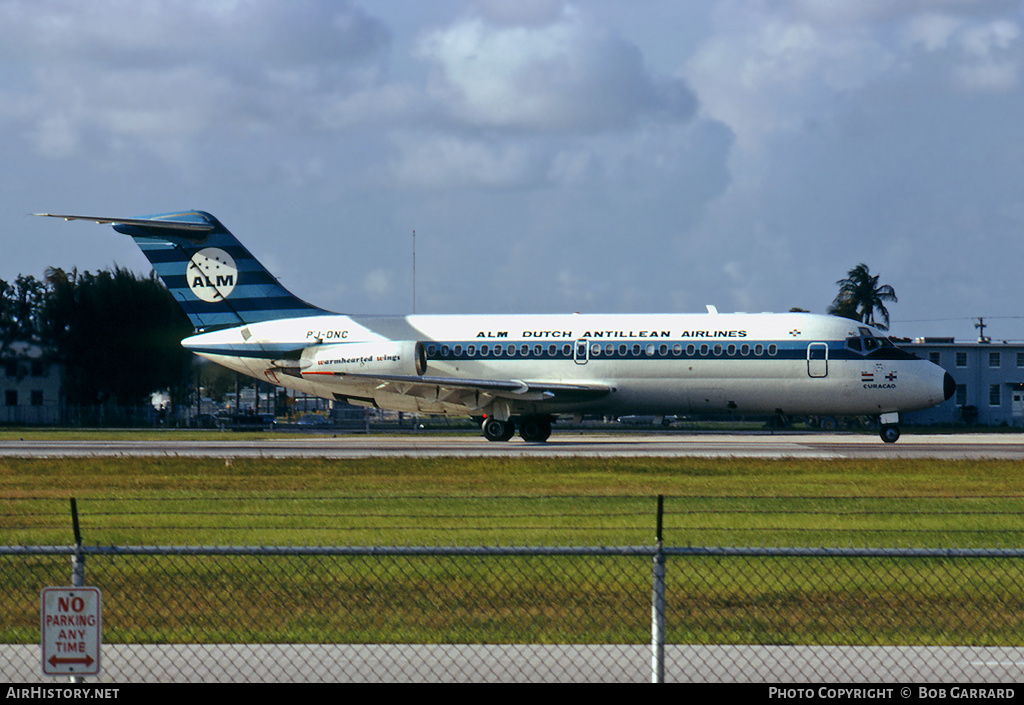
(495, 430)
(532, 429)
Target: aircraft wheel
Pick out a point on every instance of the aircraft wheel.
(497, 430)
(890, 434)
(535, 430)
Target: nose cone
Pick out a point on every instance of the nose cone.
(948, 386)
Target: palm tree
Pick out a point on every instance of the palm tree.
(860, 296)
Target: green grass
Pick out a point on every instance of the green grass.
(472, 502)
(442, 501)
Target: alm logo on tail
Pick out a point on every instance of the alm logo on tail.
(212, 274)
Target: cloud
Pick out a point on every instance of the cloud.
(931, 31)
(449, 161)
(769, 67)
(160, 73)
(523, 13)
(378, 283)
(760, 77)
(533, 95)
(562, 76)
(993, 57)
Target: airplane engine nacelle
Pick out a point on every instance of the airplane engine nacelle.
(404, 357)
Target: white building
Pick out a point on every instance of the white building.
(989, 381)
(30, 385)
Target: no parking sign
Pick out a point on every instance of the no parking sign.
(71, 627)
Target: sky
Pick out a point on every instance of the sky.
(536, 156)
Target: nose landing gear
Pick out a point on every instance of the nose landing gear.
(889, 434)
(889, 429)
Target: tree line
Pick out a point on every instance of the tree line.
(115, 333)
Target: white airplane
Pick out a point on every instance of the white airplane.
(522, 371)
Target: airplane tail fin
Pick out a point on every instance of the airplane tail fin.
(213, 277)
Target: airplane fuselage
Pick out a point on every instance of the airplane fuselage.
(646, 364)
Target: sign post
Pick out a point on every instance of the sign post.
(71, 628)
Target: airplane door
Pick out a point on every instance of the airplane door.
(817, 359)
(581, 352)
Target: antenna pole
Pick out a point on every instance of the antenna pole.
(414, 271)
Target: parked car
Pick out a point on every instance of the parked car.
(249, 421)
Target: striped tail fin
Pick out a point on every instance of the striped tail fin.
(213, 277)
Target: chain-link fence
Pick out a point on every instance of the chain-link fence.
(530, 614)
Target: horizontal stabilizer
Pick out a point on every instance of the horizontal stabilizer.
(160, 223)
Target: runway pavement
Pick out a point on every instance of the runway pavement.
(537, 663)
(567, 444)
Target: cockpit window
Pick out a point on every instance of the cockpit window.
(870, 345)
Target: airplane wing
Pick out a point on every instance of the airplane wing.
(413, 385)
